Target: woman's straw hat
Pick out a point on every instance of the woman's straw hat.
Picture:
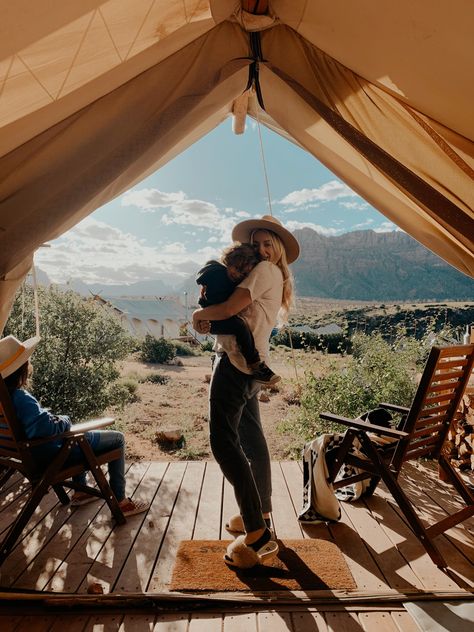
(243, 231)
(14, 353)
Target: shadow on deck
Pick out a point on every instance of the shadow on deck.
(65, 551)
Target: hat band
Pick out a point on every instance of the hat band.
(11, 360)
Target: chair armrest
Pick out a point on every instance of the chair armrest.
(362, 425)
(91, 424)
(76, 429)
(395, 408)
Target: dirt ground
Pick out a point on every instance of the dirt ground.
(181, 404)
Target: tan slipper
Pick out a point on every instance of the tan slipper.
(241, 555)
(133, 507)
(235, 524)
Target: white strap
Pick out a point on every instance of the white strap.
(35, 295)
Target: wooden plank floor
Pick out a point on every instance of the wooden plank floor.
(65, 549)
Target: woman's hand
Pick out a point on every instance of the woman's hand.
(201, 326)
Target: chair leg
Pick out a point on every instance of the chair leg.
(22, 519)
(5, 474)
(335, 458)
(61, 494)
(403, 502)
(39, 489)
(101, 481)
(372, 486)
(456, 481)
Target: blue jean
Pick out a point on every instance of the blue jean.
(237, 440)
(103, 441)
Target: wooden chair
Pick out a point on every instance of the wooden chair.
(421, 433)
(16, 455)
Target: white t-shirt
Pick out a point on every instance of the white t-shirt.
(265, 283)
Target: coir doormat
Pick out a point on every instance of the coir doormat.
(300, 565)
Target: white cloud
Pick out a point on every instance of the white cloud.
(151, 199)
(175, 248)
(387, 227)
(358, 206)
(194, 213)
(97, 252)
(368, 222)
(332, 190)
(209, 253)
(322, 230)
(183, 211)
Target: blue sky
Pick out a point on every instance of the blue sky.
(182, 215)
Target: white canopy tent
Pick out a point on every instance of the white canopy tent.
(95, 95)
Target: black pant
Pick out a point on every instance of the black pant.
(238, 327)
(237, 440)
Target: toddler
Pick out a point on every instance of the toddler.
(218, 280)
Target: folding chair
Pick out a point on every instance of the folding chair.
(16, 454)
(421, 433)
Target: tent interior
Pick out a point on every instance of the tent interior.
(96, 95)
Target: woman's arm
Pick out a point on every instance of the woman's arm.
(237, 301)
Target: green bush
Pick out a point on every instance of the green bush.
(182, 349)
(377, 371)
(208, 345)
(157, 350)
(125, 391)
(330, 343)
(156, 378)
(75, 363)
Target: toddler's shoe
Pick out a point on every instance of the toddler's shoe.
(262, 373)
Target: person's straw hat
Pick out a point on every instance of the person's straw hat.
(243, 231)
(14, 353)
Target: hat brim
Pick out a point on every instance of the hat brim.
(243, 230)
(29, 346)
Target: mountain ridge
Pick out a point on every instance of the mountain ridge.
(366, 265)
(360, 265)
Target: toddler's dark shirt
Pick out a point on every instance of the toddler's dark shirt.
(216, 284)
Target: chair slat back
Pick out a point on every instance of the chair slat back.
(436, 402)
(12, 434)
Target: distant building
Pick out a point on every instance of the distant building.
(161, 317)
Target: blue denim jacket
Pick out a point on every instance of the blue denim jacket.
(39, 422)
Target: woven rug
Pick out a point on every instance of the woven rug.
(300, 565)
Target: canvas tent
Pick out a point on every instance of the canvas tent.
(160, 317)
(97, 94)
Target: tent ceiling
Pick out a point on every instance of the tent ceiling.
(95, 95)
(420, 51)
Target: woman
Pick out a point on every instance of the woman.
(39, 422)
(236, 435)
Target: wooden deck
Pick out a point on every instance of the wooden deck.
(64, 550)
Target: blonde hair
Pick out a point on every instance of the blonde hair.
(288, 296)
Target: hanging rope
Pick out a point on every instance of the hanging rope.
(265, 172)
(262, 154)
(293, 357)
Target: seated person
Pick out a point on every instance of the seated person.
(38, 422)
(218, 280)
